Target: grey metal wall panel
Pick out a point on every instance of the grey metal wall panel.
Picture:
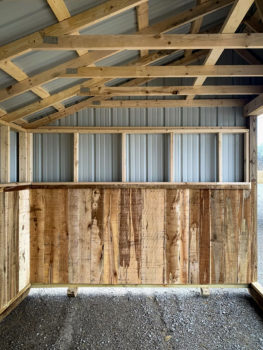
(233, 158)
(195, 158)
(13, 156)
(53, 157)
(147, 157)
(100, 157)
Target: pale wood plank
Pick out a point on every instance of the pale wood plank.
(5, 154)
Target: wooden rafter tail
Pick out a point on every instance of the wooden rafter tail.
(152, 42)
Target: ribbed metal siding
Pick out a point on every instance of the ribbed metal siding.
(53, 157)
(13, 156)
(100, 157)
(195, 156)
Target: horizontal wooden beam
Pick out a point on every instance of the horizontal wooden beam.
(152, 42)
(166, 71)
(254, 107)
(172, 90)
(139, 130)
(89, 58)
(70, 25)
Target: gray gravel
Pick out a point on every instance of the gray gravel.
(134, 319)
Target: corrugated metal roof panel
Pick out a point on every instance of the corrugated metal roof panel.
(5, 80)
(19, 18)
(59, 84)
(19, 101)
(37, 61)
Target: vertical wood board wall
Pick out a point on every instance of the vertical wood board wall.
(142, 236)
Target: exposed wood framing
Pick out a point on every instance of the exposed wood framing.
(153, 42)
(90, 58)
(172, 90)
(246, 157)
(256, 291)
(123, 157)
(5, 154)
(195, 27)
(219, 157)
(25, 157)
(140, 130)
(76, 158)
(68, 26)
(29, 109)
(167, 71)
(171, 170)
(248, 56)
(253, 170)
(254, 107)
(253, 24)
(143, 21)
(232, 22)
(14, 302)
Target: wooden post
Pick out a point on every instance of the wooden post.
(219, 156)
(5, 154)
(246, 157)
(253, 180)
(171, 173)
(123, 158)
(25, 157)
(256, 291)
(76, 158)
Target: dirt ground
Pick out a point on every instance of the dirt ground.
(115, 318)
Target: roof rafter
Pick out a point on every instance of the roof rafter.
(92, 57)
(68, 26)
(232, 22)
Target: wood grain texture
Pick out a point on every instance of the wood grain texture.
(14, 244)
(142, 235)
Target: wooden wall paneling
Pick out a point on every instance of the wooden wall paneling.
(97, 237)
(74, 203)
(177, 233)
(111, 235)
(24, 239)
(244, 241)
(194, 236)
(204, 246)
(232, 227)
(217, 269)
(130, 236)
(37, 234)
(153, 237)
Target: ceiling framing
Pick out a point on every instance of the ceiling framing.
(196, 51)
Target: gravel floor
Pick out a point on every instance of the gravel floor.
(134, 319)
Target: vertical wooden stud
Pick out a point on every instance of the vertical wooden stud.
(171, 173)
(246, 157)
(76, 158)
(219, 157)
(5, 154)
(25, 157)
(123, 157)
(253, 179)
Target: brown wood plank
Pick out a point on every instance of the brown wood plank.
(177, 232)
(97, 237)
(194, 236)
(205, 228)
(153, 247)
(217, 237)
